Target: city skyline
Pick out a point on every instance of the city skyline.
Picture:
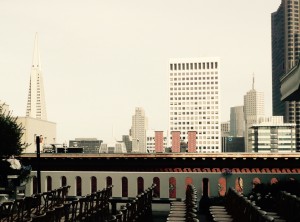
(102, 60)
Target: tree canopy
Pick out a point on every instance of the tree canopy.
(10, 135)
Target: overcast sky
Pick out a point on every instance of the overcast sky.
(101, 59)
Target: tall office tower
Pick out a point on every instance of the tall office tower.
(253, 111)
(138, 130)
(237, 122)
(194, 101)
(36, 105)
(35, 122)
(285, 54)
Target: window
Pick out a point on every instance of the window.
(124, 187)
(140, 185)
(63, 181)
(78, 186)
(93, 184)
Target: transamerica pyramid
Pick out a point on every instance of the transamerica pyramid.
(36, 104)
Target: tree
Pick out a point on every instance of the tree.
(10, 135)
(10, 145)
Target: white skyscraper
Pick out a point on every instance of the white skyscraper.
(253, 111)
(35, 122)
(138, 130)
(36, 105)
(194, 101)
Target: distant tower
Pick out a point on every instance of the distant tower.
(36, 105)
(253, 111)
(237, 122)
(138, 130)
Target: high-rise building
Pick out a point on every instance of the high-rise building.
(285, 54)
(36, 104)
(35, 122)
(253, 110)
(194, 87)
(138, 130)
(237, 122)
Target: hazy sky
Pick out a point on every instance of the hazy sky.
(101, 59)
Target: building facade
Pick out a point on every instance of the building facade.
(128, 142)
(253, 111)
(273, 138)
(225, 128)
(237, 122)
(232, 144)
(194, 88)
(36, 127)
(89, 145)
(138, 130)
(113, 147)
(285, 55)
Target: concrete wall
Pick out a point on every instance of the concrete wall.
(35, 127)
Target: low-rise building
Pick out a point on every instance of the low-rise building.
(273, 137)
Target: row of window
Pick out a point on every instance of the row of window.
(206, 128)
(200, 113)
(196, 88)
(193, 73)
(194, 123)
(193, 78)
(191, 66)
(193, 107)
(193, 98)
(193, 113)
(193, 83)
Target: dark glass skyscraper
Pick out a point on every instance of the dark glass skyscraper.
(285, 54)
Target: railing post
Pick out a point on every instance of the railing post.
(38, 170)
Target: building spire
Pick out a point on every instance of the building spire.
(36, 54)
(253, 82)
(36, 105)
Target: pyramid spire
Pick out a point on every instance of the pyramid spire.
(253, 82)
(36, 54)
(36, 105)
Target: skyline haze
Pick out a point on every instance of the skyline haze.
(103, 59)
